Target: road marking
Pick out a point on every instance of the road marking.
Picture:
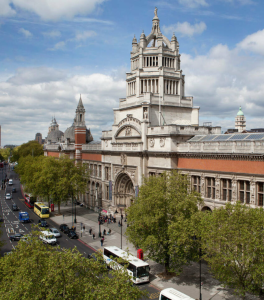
(10, 230)
(20, 230)
(154, 295)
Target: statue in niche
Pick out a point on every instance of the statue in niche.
(162, 142)
(123, 159)
(128, 131)
(145, 113)
(151, 142)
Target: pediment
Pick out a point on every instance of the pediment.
(128, 131)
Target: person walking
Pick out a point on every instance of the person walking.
(90, 231)
(83, 228)
(93, 236)
(102, 242)
(104, 232)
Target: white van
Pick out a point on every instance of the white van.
(172, 294)
(48, 237)
(10, 182)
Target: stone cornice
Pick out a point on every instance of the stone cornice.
(224, 156)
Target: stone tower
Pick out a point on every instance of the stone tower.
(80, 129)
(240, 121)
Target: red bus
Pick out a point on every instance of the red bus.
(29, 200)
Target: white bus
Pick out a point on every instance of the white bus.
(172, 294)
(137, 268)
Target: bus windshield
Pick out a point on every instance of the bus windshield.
(142, 271)
(45, 211)
(164, 298)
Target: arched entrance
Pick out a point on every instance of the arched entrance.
(206, 208)
(124, 190)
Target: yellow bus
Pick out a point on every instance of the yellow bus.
(41, 210)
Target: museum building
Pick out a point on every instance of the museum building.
(156, 129)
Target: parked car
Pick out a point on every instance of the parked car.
(13, 190)
(43, 223)
(72, 234)
(16, 237)
(8, 196)
(64, 228)
(55, 232)
(15, 207)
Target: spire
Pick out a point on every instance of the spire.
(134, 41)
(80, 104)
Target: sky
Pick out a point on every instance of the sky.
(51, 51)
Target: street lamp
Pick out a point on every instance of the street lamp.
(99, 221)
(200, 261)
(75, 220)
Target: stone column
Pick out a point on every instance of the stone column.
(217, 188)
(253, 192)
(202, 185)
(234, 189)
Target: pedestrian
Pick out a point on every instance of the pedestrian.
(93, 236)
(109, 231)
(83, 228)
(102, 242)
(90, 231)
(119, 224)
(74, 228)
(121, 216)
(104, 232)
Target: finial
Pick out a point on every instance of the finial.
(156, 12)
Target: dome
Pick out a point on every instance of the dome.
(70, 134)
(54, 136)
(240, 112)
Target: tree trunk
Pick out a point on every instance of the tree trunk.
(59, 208)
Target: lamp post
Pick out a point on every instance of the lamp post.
(75, 220)
(99, 221)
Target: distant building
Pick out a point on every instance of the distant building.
(38, 138)
(240, 123)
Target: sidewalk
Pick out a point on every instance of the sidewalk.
(187, 282)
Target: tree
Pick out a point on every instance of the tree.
(38, 271)
(32, 148)
(232, 239)
(5, 153)
(165, 204)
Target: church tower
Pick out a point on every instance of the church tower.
(80, 129)
(240, 122)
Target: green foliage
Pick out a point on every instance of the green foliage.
(4, 154)
(232, 238)
(38, 271)
(32, 148)
(161, 220)
(51, 178)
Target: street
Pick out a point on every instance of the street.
(12, 225)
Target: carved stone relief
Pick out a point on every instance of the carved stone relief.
(202, 185)
(151, 142)
(252, 190)
(128, 131)
(145, 113)
(217, 188)
(162, 142)
(123, 159)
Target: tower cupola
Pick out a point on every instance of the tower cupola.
(80, 114)
(134, 44)
(143, 40)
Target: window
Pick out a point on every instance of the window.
(226, 189)
(95, 170)
(107, 173)
(152, 174)
(260, 193)
(107, 192)
(244, 191)
(196, 183)
(210, 184)
(100, 171)
(91, 168)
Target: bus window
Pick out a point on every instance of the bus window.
(142, 271)
(45, 211)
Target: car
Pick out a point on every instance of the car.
(48, 238)
(16, 237)
(72, 234)
(8, 196)
(1, 219)
(43, 223)
(15, 207)
(13, 190)
(10, 182)
(64, 228)
(55, 232)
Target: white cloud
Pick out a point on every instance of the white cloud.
(254, 42)
(6, 10)
(241, 2)
(33, 95)
(82, 36)
(55, 10)
(185, 28)
(58, 46)
(25, 32)
(52, 34)
(193, 3)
